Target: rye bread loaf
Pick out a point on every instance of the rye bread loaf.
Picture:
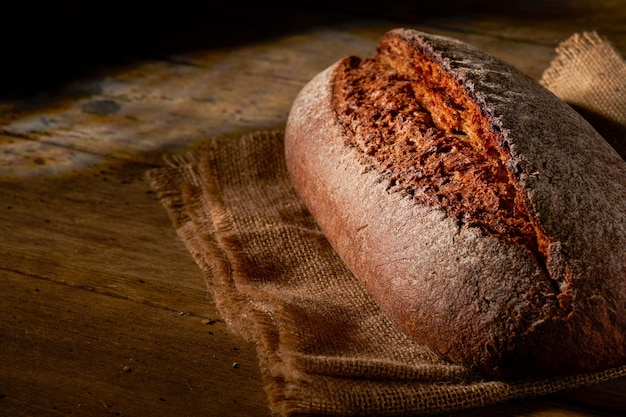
(483, 214)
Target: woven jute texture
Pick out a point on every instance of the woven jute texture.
(324, 347)
(590, 75)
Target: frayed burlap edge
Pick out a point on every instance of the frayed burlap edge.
(590, 75)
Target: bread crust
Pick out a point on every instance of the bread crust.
(473, 297)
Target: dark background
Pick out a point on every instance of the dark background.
(47, 44)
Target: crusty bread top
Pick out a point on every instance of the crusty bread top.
(476, 298)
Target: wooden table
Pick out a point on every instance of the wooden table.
(103, 311)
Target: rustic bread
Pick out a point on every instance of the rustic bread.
(483, 214)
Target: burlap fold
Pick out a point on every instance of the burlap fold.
(324, 347)
(590, 75)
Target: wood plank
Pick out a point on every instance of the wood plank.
(68, 350)
(140, 112)
(97, 227)
(96, 281)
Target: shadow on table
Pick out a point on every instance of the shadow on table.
(46, 45)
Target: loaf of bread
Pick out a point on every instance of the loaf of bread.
(483, 214)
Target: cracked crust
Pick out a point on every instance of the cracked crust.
(495, 302)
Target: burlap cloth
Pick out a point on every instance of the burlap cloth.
(324, 348)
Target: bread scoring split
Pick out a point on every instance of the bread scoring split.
(417, 126)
